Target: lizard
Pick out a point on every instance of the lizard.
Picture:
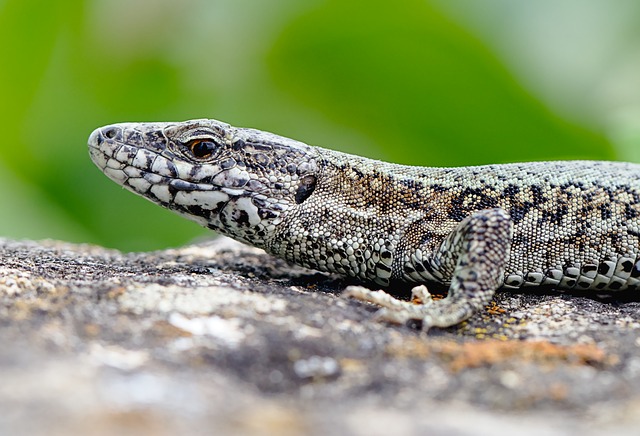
(566, 224)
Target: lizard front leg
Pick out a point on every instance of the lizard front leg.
(472, 258)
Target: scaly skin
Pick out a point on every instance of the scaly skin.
(573, 224)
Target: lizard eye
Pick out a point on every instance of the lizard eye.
(202, 148)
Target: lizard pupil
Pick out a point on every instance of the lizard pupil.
(201, 148)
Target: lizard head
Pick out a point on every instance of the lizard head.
(241, 182)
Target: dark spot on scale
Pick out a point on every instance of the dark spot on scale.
(419, 267)
(385, 255)
(383, 267)
(605, 211)
(585, 211)
(589, 268)
(510, 191)
(291, 168)
(627, 265)
(239, 182)
(635, 272)
(601, 285)
(408, 183)
(132, 137)
(195, 169)
(241, 217)
(536, 193)
(260, 146)
(584, 285)
(196, 210)
(470, 200)
(218, 207)
(238, 145)
(610, 193)
(634, 233)
(266, 213)
(572, 275)
(228, 163)
(181, 185)
(571, 283)
(604, 268)
(615, 285)
(412, 202)
(173, 190)
(556, 216)
(457, 214)
(518, 212)
(261, 159)
(629, 212)
(259, 202)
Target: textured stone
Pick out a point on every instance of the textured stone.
(221, 338)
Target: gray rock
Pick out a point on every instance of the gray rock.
(220, 338)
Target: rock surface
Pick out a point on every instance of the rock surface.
(220, 338)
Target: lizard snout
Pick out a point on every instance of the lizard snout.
(98, 135)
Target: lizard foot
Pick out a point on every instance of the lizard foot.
(397, 311)
(476, 253)
(442, 313)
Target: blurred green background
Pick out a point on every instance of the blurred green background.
(440, 82)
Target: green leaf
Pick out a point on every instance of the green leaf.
(419, 85)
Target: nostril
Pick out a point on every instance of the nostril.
(110, 132)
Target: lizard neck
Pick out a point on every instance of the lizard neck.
(351, 224)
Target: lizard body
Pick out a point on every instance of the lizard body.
(571, 224)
